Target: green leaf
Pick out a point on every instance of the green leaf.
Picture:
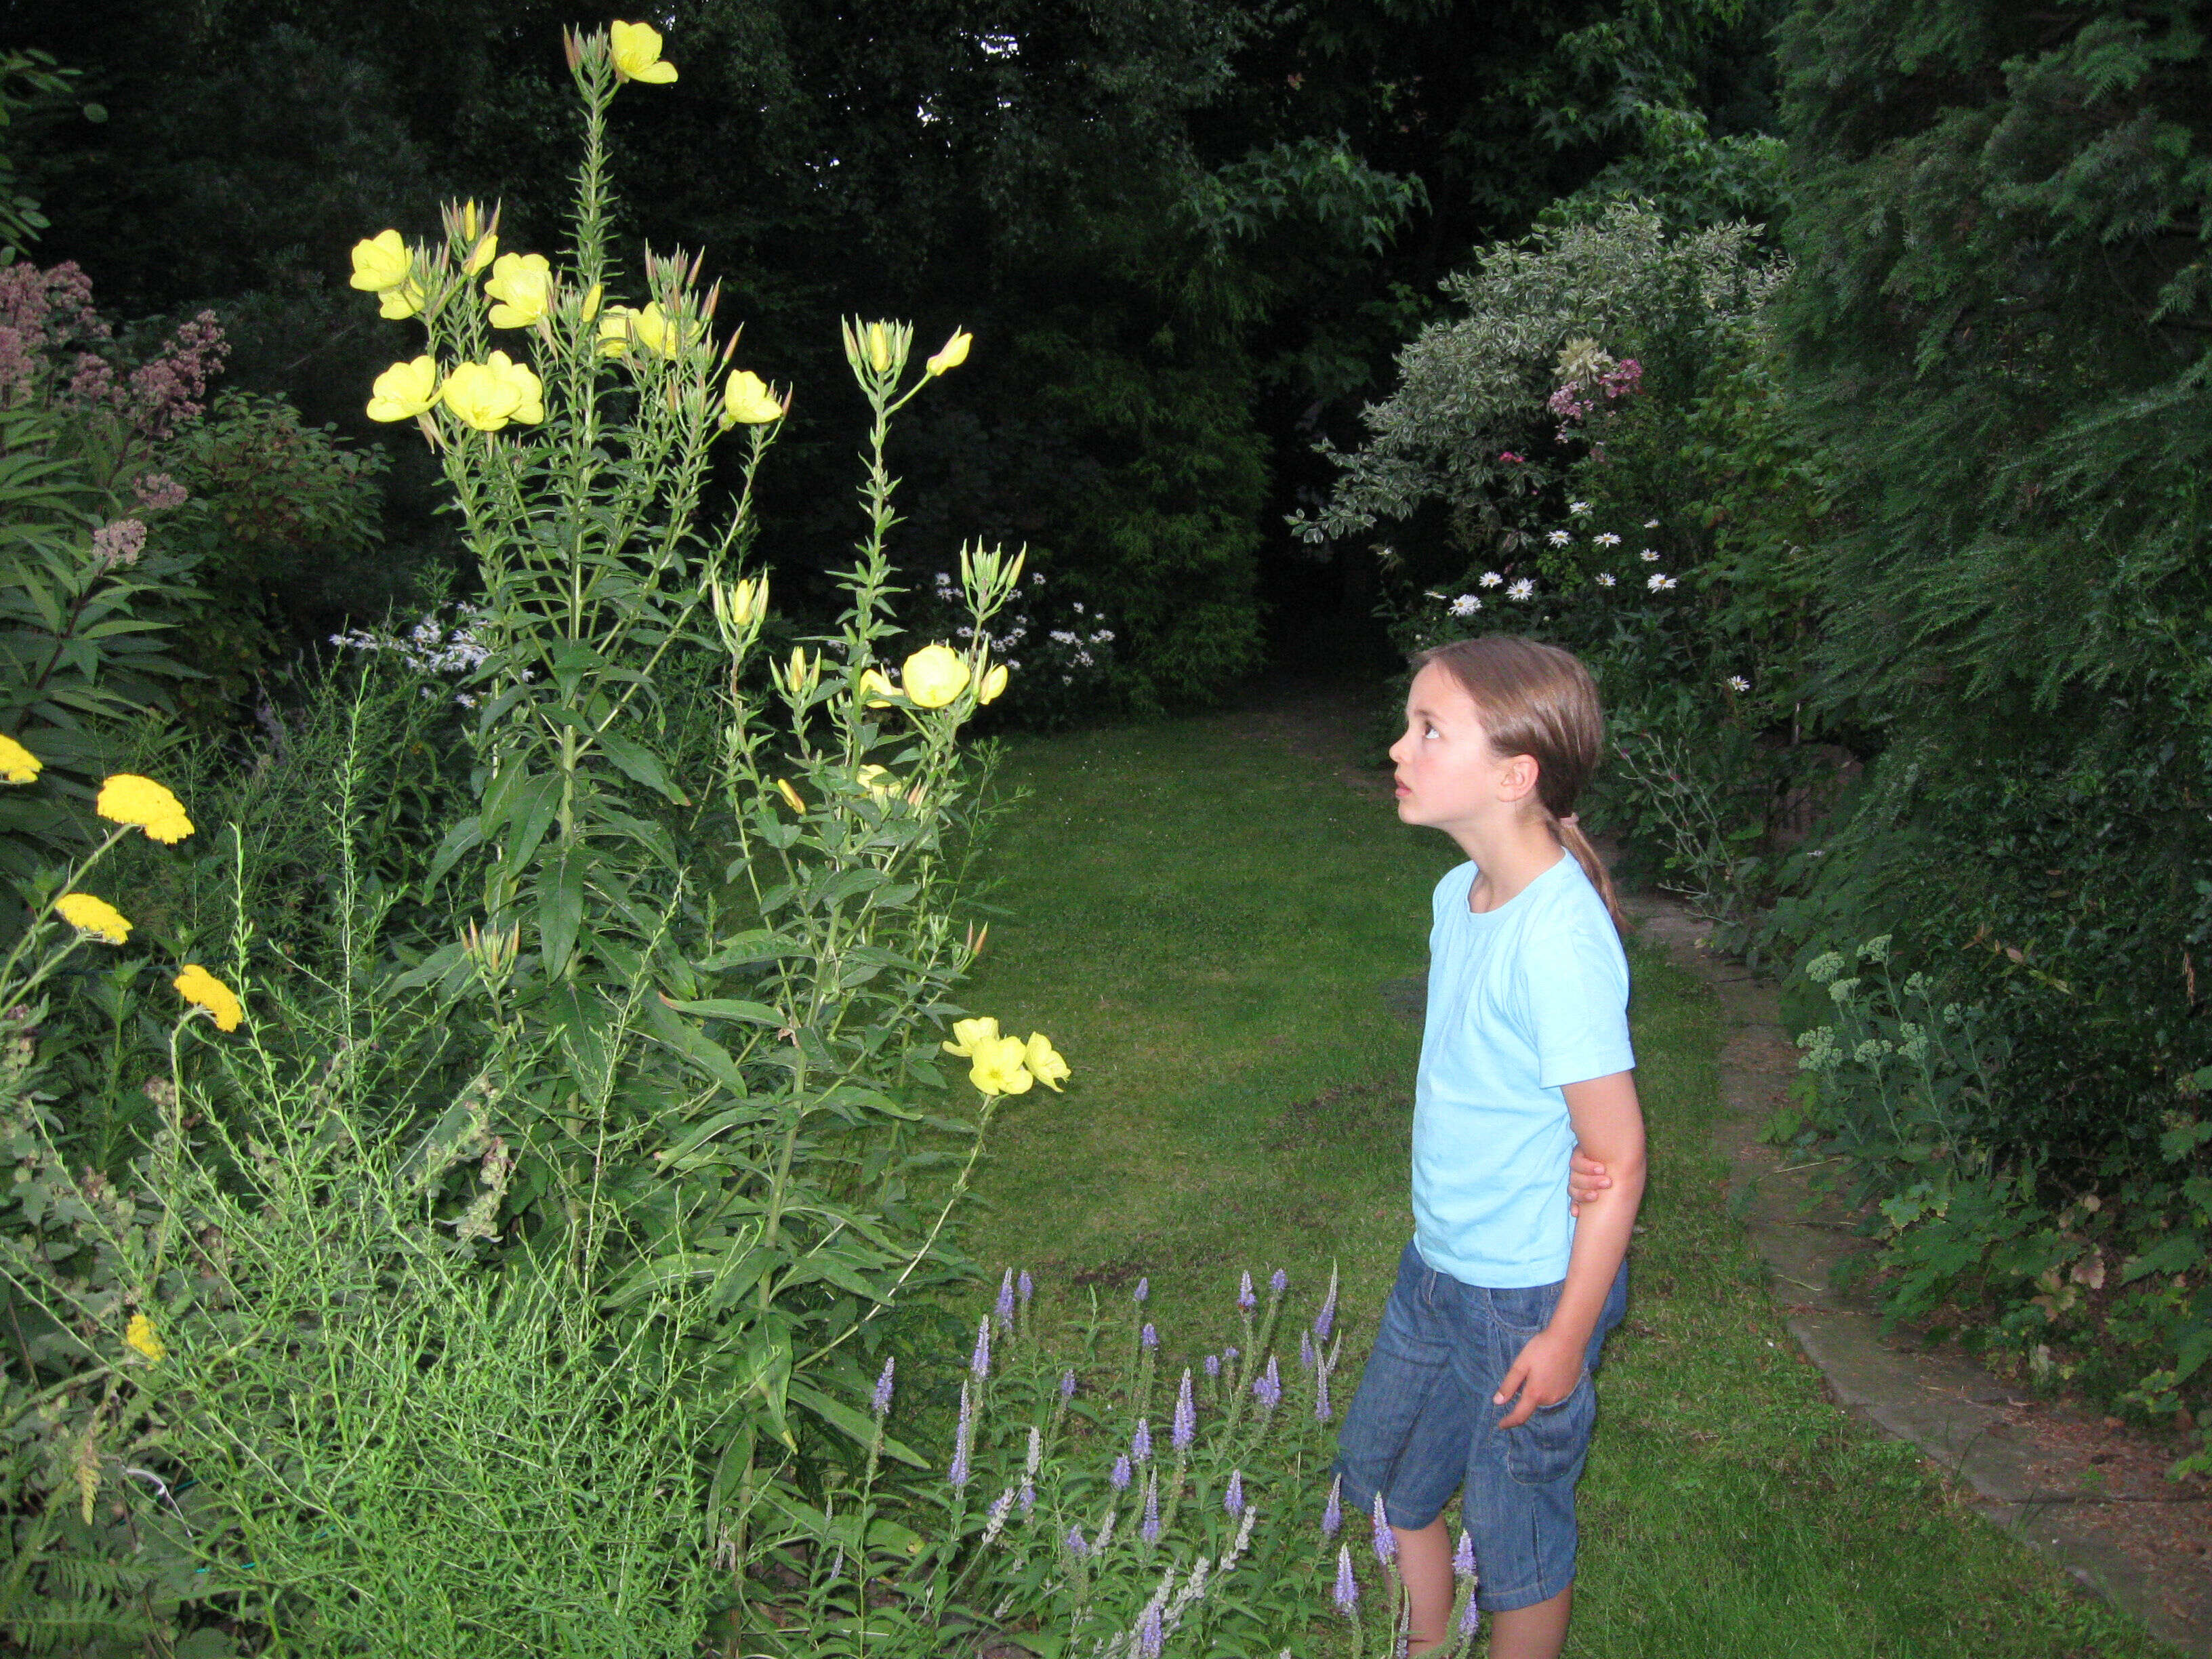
(640, 765)
(561, 908)
(854, 1425)
(757, 1014)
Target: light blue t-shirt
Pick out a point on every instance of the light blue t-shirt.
(1522, 1000)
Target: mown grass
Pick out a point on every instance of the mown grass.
(1204, 918)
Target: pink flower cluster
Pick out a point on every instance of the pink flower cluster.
(118, 543)
(157, 492)
(47, 318)
(1578, 399)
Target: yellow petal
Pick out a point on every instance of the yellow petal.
(968, 1035)
(934, 675)
(994, 682)
(404, 391)
(876, 342)
(522, 284)
(379, 263)
(636, 51)
(876, 689)
(952, 354)
(1044, 1062)
(401, 302)
(999, 1068)
(746, 400)
(481, 255)
(790, 795)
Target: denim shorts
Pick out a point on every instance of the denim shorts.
(1422, 1426)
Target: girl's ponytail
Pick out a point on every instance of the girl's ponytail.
(1537, 700)
(1568, 830)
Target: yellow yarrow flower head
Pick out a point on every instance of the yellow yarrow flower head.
(952, 354)
(934, 675)
(522, 286)
(968, 1035)
(203, 990)
(1044, 1062)
(126, 798)
(379, 263)
(17, 763)
(401, 302)
(635, 48)
(1000, 1067)
(746, 400)
(94, 917)
(404, 391)
(141, 1334)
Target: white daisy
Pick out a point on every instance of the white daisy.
(1659, 583)
(1523, 589)
(1559, 539)
(1650, 556)
(1651, 524)
(1606, 539)
(1605, 579)
(1465, 605)
(1489, 578)
(1737, 683)
(1578, 509)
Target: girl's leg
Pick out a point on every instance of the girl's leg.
(1425, 1563)
(1537, 1632)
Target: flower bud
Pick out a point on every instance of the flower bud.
(876, 343)
(952, 354)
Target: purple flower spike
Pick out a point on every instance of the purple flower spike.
(1185, 1416)
(1151, 1530)
(963, 1436)
(1471, 1620)
(1144, 1292)
(1228, 1354)
(1278, 1281)
(1119, 1477)
(1067, 1385)
(1214, 1364)
(1325, 1321)
(1149, 1635)
(880, 1401)
(1025, 1287)
(1004, 1308)
(1267, 1387)
(1306, 1350)
(1322, 1410)
(1149, 1337)
(1245, 1299)
(1331, 1516)
(1233, 1499)
(1140, 1443)
(1463, 1557)
(1076, 1545)
(1386, 1541)
(1347, 1587)
(1029, 1496)
(979, 1361)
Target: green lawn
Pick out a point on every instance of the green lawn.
(1202, 920)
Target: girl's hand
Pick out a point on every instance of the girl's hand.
(1544, 1373)
(1586, 1179)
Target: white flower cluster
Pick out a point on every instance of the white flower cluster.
(1465, 605)
(431, 647)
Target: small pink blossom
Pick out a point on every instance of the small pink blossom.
(1510, 458)
(157, 492)
(118, 543)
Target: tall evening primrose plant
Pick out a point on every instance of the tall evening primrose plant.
(707, 986)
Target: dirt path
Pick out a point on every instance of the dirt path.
(2083, 1490)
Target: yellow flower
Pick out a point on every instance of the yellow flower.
(999, 1067)
(203, 990)
(877, 781)
(489, 394)
(1044, 1062)
(994, 682)
(953, 353)
(790, 795)
(379, 263)
(747, 601)
(140, 1334)
(592, 295)
(876, 342)
(129, 799)
(934, 675)
(402, 301)
(96, 916)
(17, 763)
(972, 1035)
(746, 400)
(404, 391)
(875, 687)
(522, 283)
(650, 328)
(481, 255)
(637, 54)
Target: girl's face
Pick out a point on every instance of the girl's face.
(1449, 776)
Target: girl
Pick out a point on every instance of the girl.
(1481, 1376)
